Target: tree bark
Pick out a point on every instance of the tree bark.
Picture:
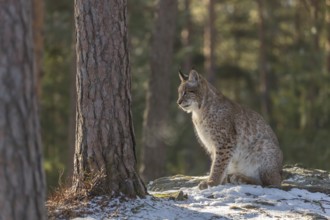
(104, 161)
(155, 125)
(22, 184)
(264, 74)
(186, 36)
(210, 41)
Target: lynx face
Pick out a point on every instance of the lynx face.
(189, 92)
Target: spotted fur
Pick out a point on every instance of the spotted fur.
(242, 146)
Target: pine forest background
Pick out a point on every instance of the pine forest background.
(273, 56)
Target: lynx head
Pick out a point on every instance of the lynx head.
(190, 91)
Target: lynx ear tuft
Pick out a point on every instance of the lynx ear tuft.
(183, 77)
(193, 76)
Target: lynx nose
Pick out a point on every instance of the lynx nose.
(179, 101)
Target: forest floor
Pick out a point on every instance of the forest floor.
(220, 202)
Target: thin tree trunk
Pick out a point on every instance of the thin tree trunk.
(297, 23)
(210, 41)
(186, 37)
(22, 184)
(38, 38)
(264, 83)
(104, 161)
(316, 23)
(155, 125)
(313, 85)
(327, 25)
(72, 120)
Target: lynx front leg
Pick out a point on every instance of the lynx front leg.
(220, 161)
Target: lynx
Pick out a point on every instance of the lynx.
(242, 146)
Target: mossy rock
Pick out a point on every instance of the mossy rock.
(294, 176)
(174, 182)
(299, 176)
(172, 195)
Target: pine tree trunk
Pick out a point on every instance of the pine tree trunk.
(264, 78)
(186, 36)
(315, 9)
(210, 41)
(155, 125)
(104, 161)
(312, 90)
(327, 22)
(22, 185)
(72, 120)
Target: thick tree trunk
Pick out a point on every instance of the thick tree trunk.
(264, 82)
(104, 160)
(210, 41)
(155, 125)
(22, 185)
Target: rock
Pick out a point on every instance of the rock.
(174, 182)
(298, 176)
(177, 195)
(181, 196)
(295, 176)
(313, 180)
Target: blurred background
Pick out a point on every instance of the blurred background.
(273, 56)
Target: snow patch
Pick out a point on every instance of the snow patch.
(220, 202)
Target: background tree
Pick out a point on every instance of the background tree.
(72, 123)
(297, 75)
(57, 82)
(155, 124)
(186, 37)
(38, 38)
(105, 144)
(327, 19)
(263, 61)
(210, 38)
(22, 183)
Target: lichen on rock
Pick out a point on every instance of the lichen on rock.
(294, 176)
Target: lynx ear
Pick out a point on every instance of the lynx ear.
(193, 76)
(182, 76)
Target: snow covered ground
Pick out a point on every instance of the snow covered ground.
(221, 202)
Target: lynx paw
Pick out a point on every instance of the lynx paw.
(205, 184)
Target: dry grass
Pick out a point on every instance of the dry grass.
(63, 203)
(66, 202)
